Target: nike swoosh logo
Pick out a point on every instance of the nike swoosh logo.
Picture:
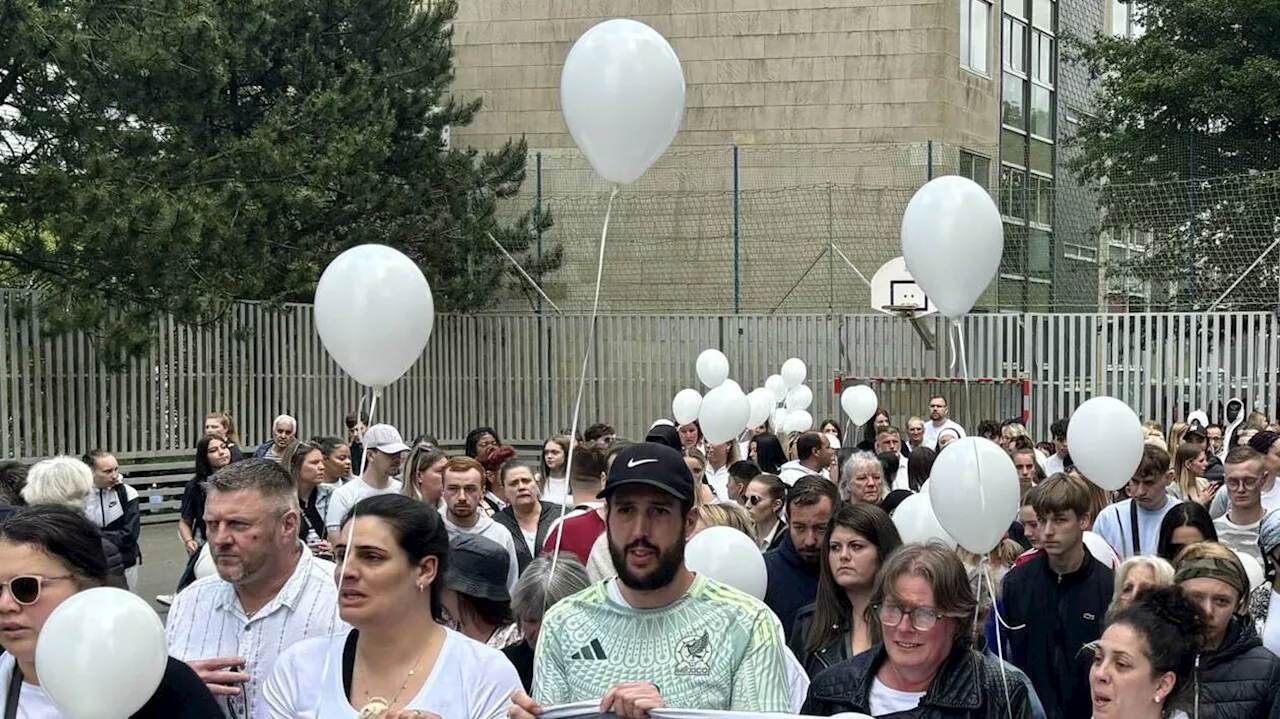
(633, 463)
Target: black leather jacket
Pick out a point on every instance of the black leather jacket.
(1240, 679)
(969, 686)
(816, 661)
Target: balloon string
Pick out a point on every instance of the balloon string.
(964, 363)
(1004, 674)
(582, 383)
(346, 556)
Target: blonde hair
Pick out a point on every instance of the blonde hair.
(1176, 433)
(728, 515)
(62, 481)
(1185, 482)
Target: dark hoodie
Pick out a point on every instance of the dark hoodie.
(1239, 679)
(793, 582)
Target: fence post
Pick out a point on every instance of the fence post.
(831, 254)
(544, 347)
(737, 215)
(928, 161)
(1191, 222)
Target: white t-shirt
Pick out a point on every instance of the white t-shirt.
(468, 681)
(719, 481)
(1241, 537)
(33, 703)
(556, 491)
(1271, 632)
(931, 432)
(891, 701)
(1113, 525)
(350, 494)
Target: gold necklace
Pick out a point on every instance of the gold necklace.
(375, 706)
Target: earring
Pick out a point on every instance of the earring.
(1156, 698)
(422, 588)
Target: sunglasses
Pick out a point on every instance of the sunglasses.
(26, 590)
(754, 499)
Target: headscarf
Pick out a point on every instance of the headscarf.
(1228, 571)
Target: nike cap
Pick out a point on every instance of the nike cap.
(650, 464)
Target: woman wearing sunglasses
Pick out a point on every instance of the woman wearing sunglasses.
(764, 498)
(47, 554)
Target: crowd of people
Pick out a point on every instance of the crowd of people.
(365, 576)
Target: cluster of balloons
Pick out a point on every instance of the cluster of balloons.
(725, 412)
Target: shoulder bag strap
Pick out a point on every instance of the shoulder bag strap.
(348, 663)
(15, 692)
(1133, 526)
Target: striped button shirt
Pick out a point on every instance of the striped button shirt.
(206, 621)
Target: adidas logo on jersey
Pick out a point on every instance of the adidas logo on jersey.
(592, 651)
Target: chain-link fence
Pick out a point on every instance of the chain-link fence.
(768, 230)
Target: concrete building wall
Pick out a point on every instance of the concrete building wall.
(833, 109)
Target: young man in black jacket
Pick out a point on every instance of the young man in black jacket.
(1059, 599)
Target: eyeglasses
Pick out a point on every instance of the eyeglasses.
(754, 499)
(26, 590)
(1247, 483)
(922, 618)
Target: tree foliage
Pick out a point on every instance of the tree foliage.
(1184, 143)
(171, 156)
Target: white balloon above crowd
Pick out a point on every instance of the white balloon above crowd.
(725, 412)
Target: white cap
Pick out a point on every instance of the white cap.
(385, 439)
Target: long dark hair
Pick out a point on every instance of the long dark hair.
(204, 469)
(1184, 514)
(919, 465)
(65, 535)
(418, 530)
(833, 610)
(769, 454)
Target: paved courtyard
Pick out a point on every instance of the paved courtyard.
(163, 559)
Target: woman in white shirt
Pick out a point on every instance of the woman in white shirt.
(399, 658)
(1264, 602)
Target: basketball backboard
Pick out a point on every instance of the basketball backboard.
(895, 292)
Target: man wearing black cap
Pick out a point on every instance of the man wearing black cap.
(694, 643)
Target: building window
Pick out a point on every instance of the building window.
(976, 168)
(975, 24)
(1041, 111)
(1042, 57)
(1042, 197)
(1013, 193)
(1014, 102)
(1014, 46)
(1042, 15)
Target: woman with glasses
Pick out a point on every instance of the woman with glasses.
(926, 664)
(836, 626)
(765, 497)
(48, 554)
(399, 659)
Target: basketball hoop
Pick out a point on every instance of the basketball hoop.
(913, 313)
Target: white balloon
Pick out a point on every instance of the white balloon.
(729, 557)
(622, 93)
(778, 420)
(734, 384)
(1100, 550)
(1104, 438)
(799, 398)
(793, 372)
(797, 421)
(374, 313)
(952, 241)
(1252, 569)
(975, 493)
(713, 368)
(204, 565)
(101, 654)
(777, 387)
(723, 414)
(762, 404)
(916, 522)
(860, 403)
(684, 408)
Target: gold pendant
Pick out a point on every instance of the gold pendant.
(374, 709)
